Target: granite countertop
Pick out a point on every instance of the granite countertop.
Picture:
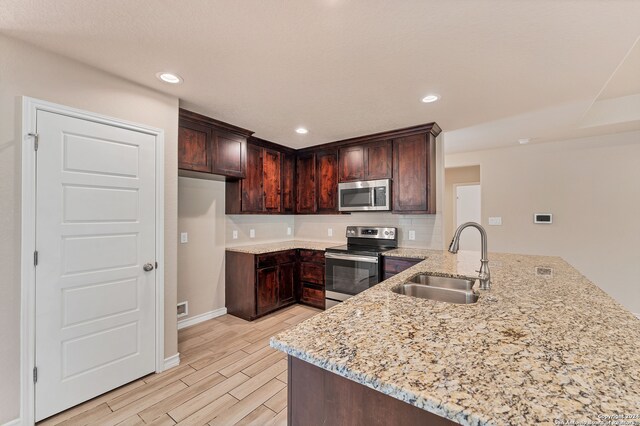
(543, 345)
(283, 245)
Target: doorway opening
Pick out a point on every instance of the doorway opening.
(462, 203)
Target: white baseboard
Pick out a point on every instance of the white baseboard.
(15, 422)
(172, 361)
(188, 322)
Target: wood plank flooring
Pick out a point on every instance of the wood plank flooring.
(228, 375)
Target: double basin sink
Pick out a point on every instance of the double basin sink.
(442, 289)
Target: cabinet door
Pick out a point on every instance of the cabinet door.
(410, 163)
(377, 160)
(286, 282)
(327, 162)
(306, 183)
(288, 173)
(351, 161)
(252, 193)
(229, 154)
(271, 180)
(267, 294)
(194, 147)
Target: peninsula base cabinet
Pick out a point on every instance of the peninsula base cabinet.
(318, 397)
(256, 285)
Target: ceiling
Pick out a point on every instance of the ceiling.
(347, 68)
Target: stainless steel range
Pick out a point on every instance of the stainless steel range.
(354, 267)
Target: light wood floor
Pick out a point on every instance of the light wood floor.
(227, 375)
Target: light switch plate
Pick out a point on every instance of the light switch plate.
(330, 232)
(412, 235)
(234, 234)
(495, 221)
(252, 233)
(288, 230)
(184, 238)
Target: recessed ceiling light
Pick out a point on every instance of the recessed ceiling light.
(430, 98)
(524, 141)
(168, 77)
(302, 130)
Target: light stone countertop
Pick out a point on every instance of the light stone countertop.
(533, 349)
(283, 245)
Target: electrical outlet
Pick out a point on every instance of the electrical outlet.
(234, 234)
(288, 230)
(412, 235)
(495, 221)
(252, 233)
(330, 232)
(184, 238)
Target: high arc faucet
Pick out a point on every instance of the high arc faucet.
(484, 274)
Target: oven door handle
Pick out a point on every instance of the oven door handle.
(367, 259)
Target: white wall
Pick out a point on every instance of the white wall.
(591, 185)
(28, 71)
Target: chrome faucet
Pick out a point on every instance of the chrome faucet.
(484, 273)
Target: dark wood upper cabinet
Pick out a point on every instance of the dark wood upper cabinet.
(377, 160)
(306, 201)
(369, 161)
(229, 157)
(288, 179)
(414, 174)
(272, 178)
(252, 193)
(211, 146)
(194, 147)
(351, 159)
(327, 172)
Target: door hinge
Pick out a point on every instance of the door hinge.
(35, 258)
(35, 374)
(156, 265)
(35, 137)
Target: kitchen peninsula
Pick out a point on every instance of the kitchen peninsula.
(543, 345)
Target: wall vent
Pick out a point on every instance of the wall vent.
(183, 309)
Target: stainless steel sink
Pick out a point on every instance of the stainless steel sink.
(439, 294)
(443, 282)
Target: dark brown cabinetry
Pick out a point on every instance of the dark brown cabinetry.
(288, 182)
(414, 174)
(327, 172)
(317, 181)
(258, 284)
(306, 201)
(369, 161)
(319, 397)
(311, 278)
(394, 265)
(211, 146)
(268, 185)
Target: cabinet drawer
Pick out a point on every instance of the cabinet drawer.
(312, 273)
(394, 265)
(273, 259)
(313, 296)
(315, 256)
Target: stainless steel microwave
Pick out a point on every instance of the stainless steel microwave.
(366, 195)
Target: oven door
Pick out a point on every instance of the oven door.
(347, 275)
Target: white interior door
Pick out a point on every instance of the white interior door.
(468, 210)
(95, 229)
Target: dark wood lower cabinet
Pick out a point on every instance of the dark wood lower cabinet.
(256, 285)
(319, 397)
(392, 265)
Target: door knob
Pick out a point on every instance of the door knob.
(148, 267)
